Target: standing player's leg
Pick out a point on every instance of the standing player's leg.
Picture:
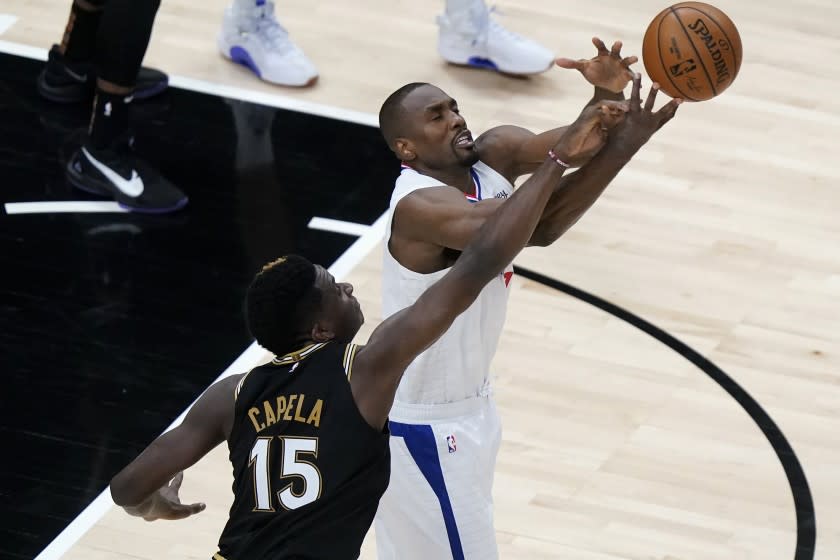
(105, 164)
(252, 36)
(469, 35)
(439, 501)
(70, 74)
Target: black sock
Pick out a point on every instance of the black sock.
(80, 34)
(110, 118)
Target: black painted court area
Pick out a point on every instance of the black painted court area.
(112, 324)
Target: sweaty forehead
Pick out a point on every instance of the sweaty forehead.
(418, 100)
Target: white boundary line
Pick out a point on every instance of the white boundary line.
(275, 100)
(26, 51)
(252, 356)
(262, 98)
(6, 21)
(63, 206)
(338, 226)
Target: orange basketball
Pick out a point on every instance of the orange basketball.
(693, 50)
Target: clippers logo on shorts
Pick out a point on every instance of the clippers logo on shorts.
(450, 442)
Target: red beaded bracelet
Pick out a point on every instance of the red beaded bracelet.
(557, 160)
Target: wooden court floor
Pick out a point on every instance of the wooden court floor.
(723, 231)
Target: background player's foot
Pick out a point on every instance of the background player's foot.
(474, 38)
(65, 82)
(116, 172)
(252, 36)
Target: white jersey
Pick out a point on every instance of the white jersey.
(456, 367)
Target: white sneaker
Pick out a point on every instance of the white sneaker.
(476, 39)
(253, 37)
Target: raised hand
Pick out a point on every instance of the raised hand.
(588, 134)
(640, 123)
(166, 504)
(607, 70)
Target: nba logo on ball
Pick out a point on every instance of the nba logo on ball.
(450, 441)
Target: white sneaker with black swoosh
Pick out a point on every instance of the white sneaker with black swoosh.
(133, 183)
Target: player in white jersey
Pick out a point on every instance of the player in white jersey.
(444, 425)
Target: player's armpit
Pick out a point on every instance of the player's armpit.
(378, 366)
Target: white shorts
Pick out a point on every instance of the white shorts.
(439, 502)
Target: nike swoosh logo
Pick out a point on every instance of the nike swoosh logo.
(79, 77)
(132, 187)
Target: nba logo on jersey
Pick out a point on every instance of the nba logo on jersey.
(450, 441)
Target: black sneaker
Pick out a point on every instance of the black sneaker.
(117, 173)
(63, 82)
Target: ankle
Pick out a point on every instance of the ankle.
(109, 121)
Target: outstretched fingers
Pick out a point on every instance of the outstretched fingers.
(569, 63)
(636, 94)
(175, 485)
(182, 511)
(599, 44)
(667, 112)
(651, 98)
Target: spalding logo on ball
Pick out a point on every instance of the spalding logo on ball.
(693, 50)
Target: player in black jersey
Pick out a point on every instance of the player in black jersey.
(307, 432)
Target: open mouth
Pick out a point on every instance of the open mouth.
(464, 140)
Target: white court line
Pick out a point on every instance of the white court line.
(275, 100)
(338, 226)
(232, 92)
(249, 359)
(6, 21)
(63, 206)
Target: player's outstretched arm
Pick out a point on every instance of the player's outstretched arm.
(514, 151)
(577, 192)
(380, 364)
(148, 486)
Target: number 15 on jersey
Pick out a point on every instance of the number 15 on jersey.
(292, 465)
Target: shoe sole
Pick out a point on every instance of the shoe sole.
(240, 56)
(78, 93)
(177, 206)
(478, 63)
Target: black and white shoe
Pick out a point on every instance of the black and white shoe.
(117, 173)
(63, 82)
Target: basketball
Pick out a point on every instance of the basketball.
(693, 50)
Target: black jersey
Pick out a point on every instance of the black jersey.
(308, 469)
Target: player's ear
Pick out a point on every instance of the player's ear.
(322, 332)
(404, 149)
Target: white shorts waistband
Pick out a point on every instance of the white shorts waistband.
(411, 413)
